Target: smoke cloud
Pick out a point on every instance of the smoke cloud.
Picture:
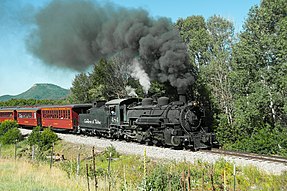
(75, 34)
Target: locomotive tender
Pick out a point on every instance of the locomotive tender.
(175, 124)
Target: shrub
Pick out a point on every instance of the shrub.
(161, 179)
(9, 133)
(267, 140)
(6, 125)
(48, 137)
(35, 137)
(43, 140)
(11, 136)
(109, 150)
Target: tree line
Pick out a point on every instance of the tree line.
(240, 78)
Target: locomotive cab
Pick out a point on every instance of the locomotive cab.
(118, 111)
(114, 115)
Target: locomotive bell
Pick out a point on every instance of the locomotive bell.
(163, 101)
(147, 101)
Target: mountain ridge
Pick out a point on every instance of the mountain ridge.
(40, 91)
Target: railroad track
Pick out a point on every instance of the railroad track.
(223, 153)
(249, 156)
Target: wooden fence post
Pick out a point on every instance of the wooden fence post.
(87, 172)
(109, 171)
(51, 159)
(78, 164)
(145, 173)
(212, 177)
(33, 152)
(234, 174)
(169, 181)
(224, 179)
(15, 152)
(125, 180)
(202, 180)
(94, 170)
(188, 181)
(183, 180)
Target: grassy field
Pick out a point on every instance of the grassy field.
(23, 175)
(124, 172)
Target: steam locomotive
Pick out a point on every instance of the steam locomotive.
(160, 122)
(175, 124)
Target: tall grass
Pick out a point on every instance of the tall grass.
(23, 175)
(127, 172)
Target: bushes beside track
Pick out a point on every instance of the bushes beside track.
(43, 140)
(9, 132)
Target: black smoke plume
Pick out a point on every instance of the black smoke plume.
(75, 34)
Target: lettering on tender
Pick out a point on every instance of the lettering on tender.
(95, 121)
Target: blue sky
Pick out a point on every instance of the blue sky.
(19, 70)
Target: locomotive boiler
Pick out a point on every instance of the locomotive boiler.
(161, 122)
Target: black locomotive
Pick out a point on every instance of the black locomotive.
(175, 124)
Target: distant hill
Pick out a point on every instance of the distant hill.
(40, 91)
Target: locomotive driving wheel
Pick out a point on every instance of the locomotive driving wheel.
(190, 118)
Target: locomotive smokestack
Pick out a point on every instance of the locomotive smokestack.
(182, 95)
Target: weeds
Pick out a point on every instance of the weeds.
(128, 172)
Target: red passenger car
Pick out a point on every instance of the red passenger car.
(63, 116)
(29, 117)
(7, 114)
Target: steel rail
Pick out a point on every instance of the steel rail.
(250, 156)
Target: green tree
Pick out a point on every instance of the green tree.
(109, 79)
(259, 70)
(216, 74)
(194, 32)
(210, 47)
(80, 88)
(30, 102)
(258, 79)
(104, 80)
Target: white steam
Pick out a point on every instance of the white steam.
(138, 73)
(131, 91)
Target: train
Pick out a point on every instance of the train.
(177, 124)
